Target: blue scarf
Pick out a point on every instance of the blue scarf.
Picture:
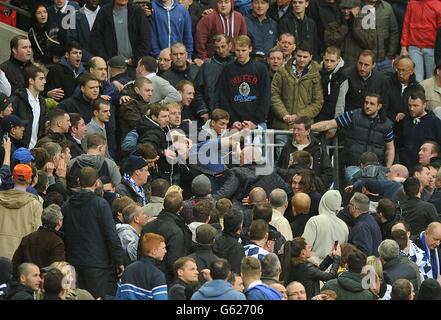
(138, 190)
(435, 266)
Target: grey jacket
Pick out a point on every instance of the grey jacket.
(129, 241)
(163, 91)
(154, 207)
(387, 35)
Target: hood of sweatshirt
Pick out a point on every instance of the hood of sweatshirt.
(82, 198)
(66, 63)
(330, 203)
(161, 4)
(87, 160)
(15, 199)
(215, 288)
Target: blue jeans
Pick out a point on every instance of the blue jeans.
(384, 66)
(424, 59)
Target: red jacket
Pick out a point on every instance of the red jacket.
(213, 24)
(421, 22)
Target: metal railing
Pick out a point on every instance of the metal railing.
(268, 148)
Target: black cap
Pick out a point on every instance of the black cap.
(12, 121)
(4, 101)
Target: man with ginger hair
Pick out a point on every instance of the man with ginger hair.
(143, 280)
(301, 204)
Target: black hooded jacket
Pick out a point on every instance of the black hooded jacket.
(91, 239)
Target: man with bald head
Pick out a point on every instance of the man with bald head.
(257, 195)
(301, 204)
(164, 61)
(394, 180)
(279, 202)
(295, 291)
(395, 99)
(430, 240)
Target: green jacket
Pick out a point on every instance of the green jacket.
(388, 35)
(351, 40)
(348, 287)
(303, 97)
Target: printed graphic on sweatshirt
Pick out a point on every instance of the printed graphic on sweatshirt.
(243, 82)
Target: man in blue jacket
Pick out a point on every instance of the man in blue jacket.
(171, 23)
(142, 279)
(255, 289)
(218, 288)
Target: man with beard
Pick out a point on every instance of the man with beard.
(366, 130)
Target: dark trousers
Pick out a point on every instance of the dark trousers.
(94, 280)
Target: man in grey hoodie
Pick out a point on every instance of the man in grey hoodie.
(96, 148)
(218, 288)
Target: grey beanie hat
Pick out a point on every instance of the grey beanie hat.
(201, 186)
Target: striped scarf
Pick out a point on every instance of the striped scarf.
(138, 190)
(435, 265)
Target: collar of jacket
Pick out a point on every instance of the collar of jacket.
(58, 233)
(19, 63)
(175, 69)
(220, 60)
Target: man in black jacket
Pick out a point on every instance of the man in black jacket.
(21, 53)
(279, 9)
(416, 127)
(302, 27)
(394, 268)
(212, 69)
(77, 132)
(227, 245)
(27, 284)
(172, 227)
(29, 104)
(418, 213)
(396, 98)
(362, 79)
(302, 140)
(82, 102)
(91, 242)
(130, 37)
(180, 70)
(62, 77)
(136, 173)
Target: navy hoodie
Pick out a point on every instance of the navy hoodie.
(245, 91)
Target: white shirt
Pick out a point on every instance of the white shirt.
(91, 16)
(35, 105)
(150, 76)
(63, 9)
(282, 225)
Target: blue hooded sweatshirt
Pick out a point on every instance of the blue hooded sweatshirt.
(217, 290)
(170, 26)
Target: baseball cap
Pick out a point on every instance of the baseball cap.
(22, 172)
(12, 121)
(4, 101)
(23, 155)
(117, 62)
